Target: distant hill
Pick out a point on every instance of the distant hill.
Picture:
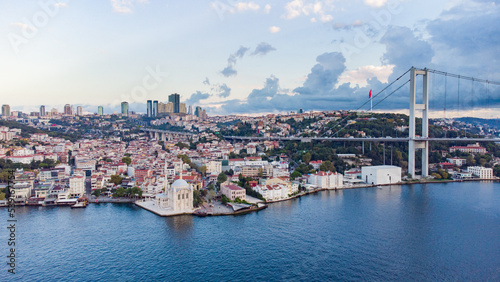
(495, 123)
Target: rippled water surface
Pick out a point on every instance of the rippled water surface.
(420, 232)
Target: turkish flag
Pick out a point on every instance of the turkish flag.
(370, 95)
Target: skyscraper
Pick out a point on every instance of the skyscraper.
(190, 110)
(100, 110)
(149, 108)
(79, 111)
(197, 111)
(155, 108)
(42, 110)
(67, 109)
(182, 108)
(175, 99)
(125, 108)
(5, 110)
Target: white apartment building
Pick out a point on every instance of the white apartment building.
(481, 172)
(77, 186)
(214, 167)
(327, 180)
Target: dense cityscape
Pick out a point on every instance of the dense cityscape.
(171, 160)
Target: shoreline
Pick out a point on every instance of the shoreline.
(266, 204)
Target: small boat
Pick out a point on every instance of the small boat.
(79, 205)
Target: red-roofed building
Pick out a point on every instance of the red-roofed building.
(232, 192)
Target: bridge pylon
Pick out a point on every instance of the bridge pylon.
(414, 143)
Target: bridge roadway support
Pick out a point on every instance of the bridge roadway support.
(414, 144)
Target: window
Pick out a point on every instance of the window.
(178, 196)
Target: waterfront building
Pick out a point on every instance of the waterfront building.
(77, 186)
(5, 110)
(326, 180)
(233, 191)
(124, 108)
(149, 108)
(177, 198)
(175, 100)
(42, 110)
(100, 110)
(481, 172)
(382, 174)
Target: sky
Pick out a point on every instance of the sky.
(248, 57)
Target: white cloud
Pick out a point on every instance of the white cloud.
(125, 6)
(298, 8)
(61, 4)
(274, 29)
(23, 26)
(375, 3)
(246, 6)
(267, 8)
(326, 18)
(362, 74)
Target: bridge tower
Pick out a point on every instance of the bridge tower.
(417, 143)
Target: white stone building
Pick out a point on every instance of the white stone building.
(327, 180)
(382, 174)
(481, 172)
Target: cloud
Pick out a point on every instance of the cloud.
(375, 3)
(246, 6)
(324, 75)
(263, 48)
(297, 8)
(125, 6)
(61, 4)
(267, 9)
(340, 26)
(274, 29)
(23, 26)
(196, 97)
(404, 49)
(231, 61)
(206, 81)
(223, 90)
(361, 75)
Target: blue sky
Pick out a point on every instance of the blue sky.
(244, 56)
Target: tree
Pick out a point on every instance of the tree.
(261, 172)
(197, 201)
(203, 169)
(116, 179)
(327, 166)
(470, 160)
(97, 192)
(306, 157)
(221, 178)
(295, 174)
(127, 160)
(224, 199)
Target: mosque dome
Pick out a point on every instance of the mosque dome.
(179, 184)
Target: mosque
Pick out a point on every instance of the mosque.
(178, 197)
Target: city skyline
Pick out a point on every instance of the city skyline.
(316, 55)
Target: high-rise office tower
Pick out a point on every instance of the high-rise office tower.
(155, 108)
(175, 99)
(79, 111)
(54, 112)
(169, 108)
(197, 111)
(67, 109)
(149, 108)
(100, 110)
(42, 110)
(301, 111)
(190, 110)
(125, 108)
(5, 110)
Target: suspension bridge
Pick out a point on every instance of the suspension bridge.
(416, 103)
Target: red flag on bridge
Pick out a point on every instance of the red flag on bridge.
(370, 95)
